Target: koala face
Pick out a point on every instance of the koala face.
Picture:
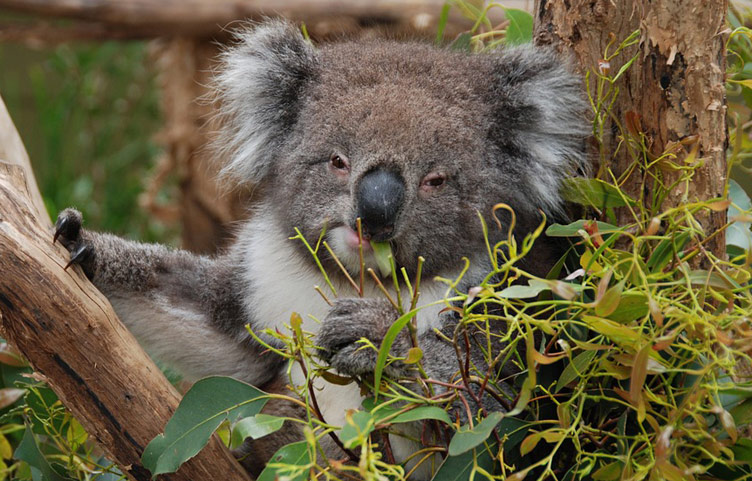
(413, 140)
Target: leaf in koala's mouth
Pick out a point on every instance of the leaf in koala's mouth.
(382, 251)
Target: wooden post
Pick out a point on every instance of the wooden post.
(675, 86)
(70, 334)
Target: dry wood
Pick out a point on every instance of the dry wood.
(206, 17)
(70, 334)
(676, 86)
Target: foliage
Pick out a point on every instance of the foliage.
(634, 365)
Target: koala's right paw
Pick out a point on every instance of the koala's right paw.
(68, 232)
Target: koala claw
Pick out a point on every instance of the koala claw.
(68, 227)
(79, 254)
(68, 231)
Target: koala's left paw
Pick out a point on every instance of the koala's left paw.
(350, 320)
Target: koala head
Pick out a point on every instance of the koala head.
(412, 139)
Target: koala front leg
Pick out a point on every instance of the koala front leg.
(350, 320)
(184, 309)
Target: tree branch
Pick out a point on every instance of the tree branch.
(70, 334)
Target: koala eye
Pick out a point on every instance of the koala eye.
(433, 181)
(339, 162)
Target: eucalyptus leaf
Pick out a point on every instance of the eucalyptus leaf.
(255, 427)
(462, 42)
(420, 413)
(203, 408)
(573, 370)
(533, 288)
(666, 250)
(292, 455)
(460, 467)
(357, 427)
(520, 29)
(382, 251)
(594, 192)
(632, 306)
(386, 346)
(28, 451)
(466, 439)
(572, 230)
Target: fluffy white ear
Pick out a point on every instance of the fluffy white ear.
(259, 85)
(539, 115)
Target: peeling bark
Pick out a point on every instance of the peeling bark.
(675, 86)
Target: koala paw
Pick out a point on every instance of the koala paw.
(68, 231)
(351, 320)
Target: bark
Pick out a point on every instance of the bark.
(70, 334)
(207, 17)
(675, 86)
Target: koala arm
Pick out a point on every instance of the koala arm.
(184, 309)
(353, 319)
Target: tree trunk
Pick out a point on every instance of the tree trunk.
(675, 86)
(70, 334)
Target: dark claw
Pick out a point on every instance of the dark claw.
(78, 255)
(68, 228)
(60, 225)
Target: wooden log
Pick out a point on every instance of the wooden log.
(206, 17)
(675, 87)
(70, 334)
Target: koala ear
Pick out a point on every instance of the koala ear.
(259, 85)
(539, 121)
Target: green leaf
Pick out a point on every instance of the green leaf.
(357, 427)
(712, 279)
(382, 251)
(199, 414)
(386, 346)
(572, 230)
(573, 370)
(618, 333)
(609, 472)
(743, 451)
(665, 251)
(610, 300)
(462, 42)
(420, 413)
(460, 468)
(742, 413)
(295, 454)
(467, 439)
(255, 427)
(594, 192)
(533, 288)
(632, 305)
(520, 29)
(443, 18)
(29, 451)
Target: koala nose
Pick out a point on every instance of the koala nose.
(379, 196)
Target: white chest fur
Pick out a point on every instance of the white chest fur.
(280, 284)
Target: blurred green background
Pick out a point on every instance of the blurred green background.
(87, 114)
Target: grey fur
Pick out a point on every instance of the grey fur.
(500, 127)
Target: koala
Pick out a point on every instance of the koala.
(414, 140)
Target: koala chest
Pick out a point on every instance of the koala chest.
(280, 284)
